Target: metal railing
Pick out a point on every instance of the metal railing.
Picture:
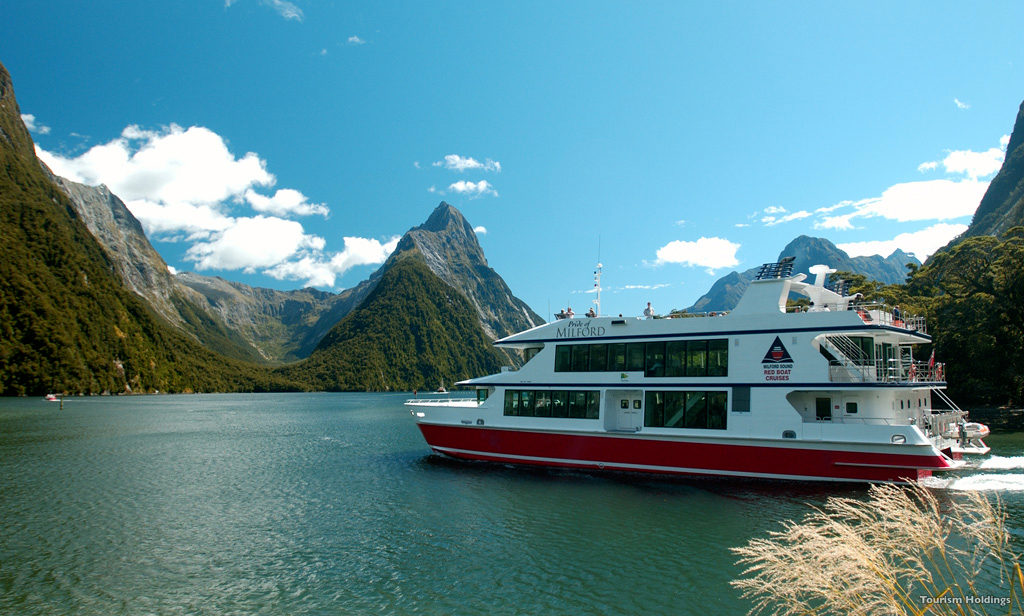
(886, 371)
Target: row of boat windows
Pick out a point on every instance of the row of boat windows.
(574, 404)
(673, 358)
(686, 409)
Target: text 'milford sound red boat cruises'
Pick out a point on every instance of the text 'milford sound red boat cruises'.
(830, 391)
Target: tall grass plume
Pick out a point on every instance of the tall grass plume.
(900, 551)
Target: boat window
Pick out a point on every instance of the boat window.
(686, 409)
(481, 395)
(542, 404)
(548, 403)
(598, 357)
(559, 404)
(696, 409)
(530, 353)
(823, 409)
(511, 402)
(851, 407)
(696, 357)
(578, 404)
(635, 356)
(580, 357)
(654, 364)
(718, 357)
(675, 358)
(563, 358)
(617, 357)
(717, 402)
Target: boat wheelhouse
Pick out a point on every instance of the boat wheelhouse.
(826, 391)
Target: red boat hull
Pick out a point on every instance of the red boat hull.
(652, 454)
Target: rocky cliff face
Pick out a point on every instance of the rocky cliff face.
(1002, 206)
(808, 251)
(447, 244)
(141, 268)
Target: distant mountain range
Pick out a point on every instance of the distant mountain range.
(807, 251)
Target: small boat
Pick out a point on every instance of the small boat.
(51, 398)
(767, 390)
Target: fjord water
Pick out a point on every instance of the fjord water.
(332, 503)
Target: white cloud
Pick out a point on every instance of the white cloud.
(1004, 141)
(172, 270)
(251, 243)
(710, 252)
(355, 40)
(931, 200)
(460, 163)
(319, 272)
(974, 164)
(928, 166)
(921, 244)
(681, 222)
(770, 219)
(416, 164)
(179, 179)
(960, 104)
(285, 9)
(284, 202)
(186, 183)
(646, 287)
(30, 124)
(474, 189)
(481, 230)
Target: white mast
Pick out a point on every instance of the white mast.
(597, 277)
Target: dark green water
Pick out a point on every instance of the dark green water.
(332, 504)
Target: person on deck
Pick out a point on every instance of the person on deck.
(648, 311)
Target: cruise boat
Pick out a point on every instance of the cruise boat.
(830, 390)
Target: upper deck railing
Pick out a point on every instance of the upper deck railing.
(871, 314)
(887, 371)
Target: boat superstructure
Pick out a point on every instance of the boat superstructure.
(826, 391)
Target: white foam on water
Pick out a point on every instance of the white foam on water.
(1010, 482)
(1002, 463)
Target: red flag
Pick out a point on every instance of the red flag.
(931, 360)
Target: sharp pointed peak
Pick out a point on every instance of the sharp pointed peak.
(444, 216)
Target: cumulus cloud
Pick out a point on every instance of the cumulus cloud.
(944, 199)
(481, 230)
(32, 126)
(974, 164)
(355, 40)
(186, 185)
(473, 189)
(318, 271)
(709, 252)
(284, 202)
(921, 244)
(464, 163)
(251, 243)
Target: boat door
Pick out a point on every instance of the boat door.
(625, 410)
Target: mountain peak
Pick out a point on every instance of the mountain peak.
(446, 217)
(1017, 136)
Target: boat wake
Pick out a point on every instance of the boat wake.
(972, 477)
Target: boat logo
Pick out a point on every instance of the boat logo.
(777, 354)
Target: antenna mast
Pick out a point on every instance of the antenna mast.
(597, 277)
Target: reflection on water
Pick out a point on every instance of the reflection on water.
(332, 503)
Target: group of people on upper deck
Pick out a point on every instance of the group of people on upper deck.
(567, 313)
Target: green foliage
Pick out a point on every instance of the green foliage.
(412, 332)
(972, 295)
(67, 324)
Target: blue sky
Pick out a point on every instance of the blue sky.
(284, 143)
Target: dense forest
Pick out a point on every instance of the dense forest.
(972, 294)
(412, 332)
